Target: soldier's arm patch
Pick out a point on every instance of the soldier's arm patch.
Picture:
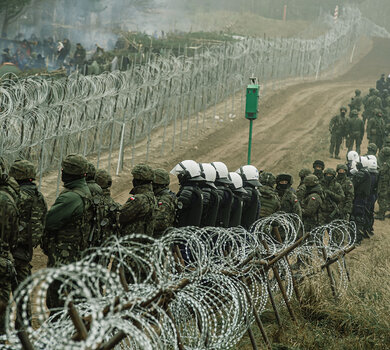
(296, 200)
(313, 198)
(160, 203)
(132, 198)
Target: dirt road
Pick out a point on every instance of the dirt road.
(291, 133)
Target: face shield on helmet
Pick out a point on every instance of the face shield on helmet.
(209, 173)
(222, 172)
(249, 174)
(237, 182)
(187, 170)
(353, 156)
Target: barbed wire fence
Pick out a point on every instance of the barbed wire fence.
(43, 120)
(192, 289)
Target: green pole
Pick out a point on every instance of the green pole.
(250, 141)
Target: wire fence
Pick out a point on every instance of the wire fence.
(192, 289)
(43, 120)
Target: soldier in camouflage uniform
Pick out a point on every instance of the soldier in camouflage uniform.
(8, 238)
(333, 196)
(137, 214)
(366, 105)
(288, 200)
(98, 211)
(312, 204)
(372, 149)
(32, 209)
(355, 131)
(166, 202)
(349, 193)
(337, 128)
(384, 183)
(67, 222)
(319, 166)
(301, 189)
(356, 101)
(110, 224)
(269, 199)
(376, 129)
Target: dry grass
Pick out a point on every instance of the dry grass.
(358, 319)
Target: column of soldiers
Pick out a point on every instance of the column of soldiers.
(375, 121)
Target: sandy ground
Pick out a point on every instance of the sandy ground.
(291, 132)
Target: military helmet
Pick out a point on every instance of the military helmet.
(75, 164)
(319, 163)
(267, 179)
(22, 170)
(354, 112)
(284, 177)
(357, 92)
(385, 151)
(341, 166)
(330, 171)
(91, 170)
(143, 172)
(304, 172)
(103, 178)
(161, 177)
(343, 109)
(378, 112)
(372, 147)
(372, 90)
(311, 180)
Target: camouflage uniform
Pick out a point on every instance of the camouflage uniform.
(312, 204)
(373, 103)
(384, 183)
(32, 209)
(375, 129)
(166, 202)
(337, 128)
(98, 210)
(137, 214)
(269, 198)
(288, 200)
(67, 226)
(355, 131)
(333, 196)
(301, 189)
(356, 101)
(366, 105)
(110, 223)
(8, 237)
(349, 192)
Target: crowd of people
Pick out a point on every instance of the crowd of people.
(84, 215)
(47, 53)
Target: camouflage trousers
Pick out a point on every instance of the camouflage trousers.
(335, 143)
(23, 271)
(5, 287)
(354, 140)
(377, 139)
(383, 202)
(62, 254)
